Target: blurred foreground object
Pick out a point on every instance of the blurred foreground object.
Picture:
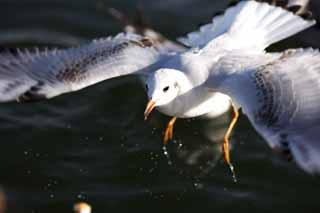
(82, 208)
(3, 202)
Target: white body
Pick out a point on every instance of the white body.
(193, 100)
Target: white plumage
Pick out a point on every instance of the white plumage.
(279, 92)
(29, 76)
(247, 22)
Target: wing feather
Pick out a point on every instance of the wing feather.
(280, 94)
(288, 115)
(35, 75)
(245, 22)
(139, 25)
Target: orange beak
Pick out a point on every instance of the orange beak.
(149, 108)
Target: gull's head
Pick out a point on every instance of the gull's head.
(162, 87)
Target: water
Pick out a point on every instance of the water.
(94, 145)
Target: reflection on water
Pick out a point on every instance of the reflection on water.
(202, 149)
(197, 142)
(94, 145)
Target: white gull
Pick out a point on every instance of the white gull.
(277, 91)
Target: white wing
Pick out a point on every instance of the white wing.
(31, 76)
(248, 25)
(282, 101)
(290, 113)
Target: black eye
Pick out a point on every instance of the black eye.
(147, 88)
(166, 89)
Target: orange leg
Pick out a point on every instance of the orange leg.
(168, 134)
(225, 147)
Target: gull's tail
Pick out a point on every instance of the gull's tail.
(251, 25)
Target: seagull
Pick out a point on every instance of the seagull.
(139, 25)
(277, 91)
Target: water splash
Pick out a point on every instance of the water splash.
(166, 153)
(234, 177)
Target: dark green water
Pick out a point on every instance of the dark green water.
(94, 145)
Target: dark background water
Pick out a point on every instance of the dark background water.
(94, 146)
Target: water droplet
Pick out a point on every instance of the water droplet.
(153, 131)
(165, 152)
(198, 185)
(81, 196)
(234, 177)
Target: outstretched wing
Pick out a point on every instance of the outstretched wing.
(282, 101)
(28, 76)
(245, 22)
(139, 25)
